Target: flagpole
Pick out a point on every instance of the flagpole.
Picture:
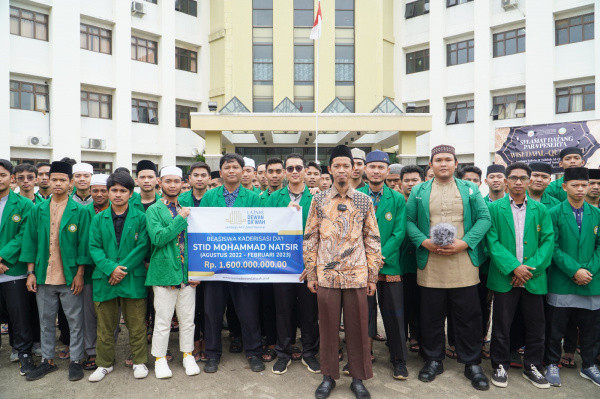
(317, 106)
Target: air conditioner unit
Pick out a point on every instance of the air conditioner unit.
(96, 144)
(509, 4)
(37, 141)
(137, 8)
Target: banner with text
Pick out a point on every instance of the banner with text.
(246, 245)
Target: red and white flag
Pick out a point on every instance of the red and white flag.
(315, 33)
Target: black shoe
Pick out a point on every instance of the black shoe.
(532, 375)
(479, 381)
(256, 364)
(325, 388)
(430, 370)
(359, 390)
(500, 377)
(516, 361)
(41, 370)
(312, 364)
(236, 345)
(211, 366)
(27, 364)
(75, 371)
(400, 371)
(281, 365)
(346, 369)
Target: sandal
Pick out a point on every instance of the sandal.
(568, 362)
(268, 354)
(169, 356)
(451, 353)
(90, 363)
(485, 354)
(296, 353)
(379, 338)
(236, 345)
(341, 327)
(414, 347)
(129, 361)
(64, 354)
(340, 355)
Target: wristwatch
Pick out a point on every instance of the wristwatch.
(29, 273)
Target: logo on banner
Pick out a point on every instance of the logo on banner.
(235, 217)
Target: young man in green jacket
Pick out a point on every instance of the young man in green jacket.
(449, 274)
(592, 196)
(43, 182)
(55, 248)
(82, 176)
(520, 244)
(494, 179)
(570, 157)
(26, 175)
(147, 180)
(245, 297)
(118, 246)
(14, 210)
(573, 282)
(390, 212)
(541, 175)
(294, 303)
(168, 274)
(249, 174)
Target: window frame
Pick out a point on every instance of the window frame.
(190, 55)
(255, 8)
(188, 9)
(33, 20)
(568, 27)
(503, 101)
(183, 110)
(305, 10)
(470, 51)
(570, 94)
(100, 101)
(353, 81)
(455, 107)
(304, 82)
(107, 169)
(416, 8)
(34, 92)
(254, 63)
(496, 40)
(345, 10)
(102, 34)
(417, 55)
(137, 46)
(456, 2)
(151, 105)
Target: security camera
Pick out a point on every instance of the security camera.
(212, 106)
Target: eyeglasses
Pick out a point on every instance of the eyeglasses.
(297, 168)
(28, 178)
(515, 178)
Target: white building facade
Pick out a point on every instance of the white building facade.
(485, 64)
(118, 92)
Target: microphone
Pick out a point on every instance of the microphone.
(443, 234)
(342, 207)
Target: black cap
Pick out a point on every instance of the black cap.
(541, 167)
(341, 151)
(61, 167)
(570, 150)
(145, 164)
(594, 174)
(325, 170)
(578, 173)
(215, 174)
(495, 169)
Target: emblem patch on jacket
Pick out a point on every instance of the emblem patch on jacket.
(136, 236)
(72, 228)
(16, 218)
(596, 230)
(539, 228)
(388, 216)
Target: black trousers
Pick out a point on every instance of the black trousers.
(391, 303)
(466, 314)
(571, 335)
(199, 313)
(532, 308)
(558, 322)
(485, 302)
(267, 313)
(372, 305)
(295, 303)
(412, 304)
(233, 321)
(245, 298)
(18, 307)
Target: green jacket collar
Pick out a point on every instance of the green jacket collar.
(12, 199)
(464, 188)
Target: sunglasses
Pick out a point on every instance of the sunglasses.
(297, 168)
(28, 178)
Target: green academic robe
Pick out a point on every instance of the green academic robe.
(555, 190)
(12, 227)
(136, 201)
(245, 199)
(281, 198)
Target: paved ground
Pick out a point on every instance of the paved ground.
(234, 379)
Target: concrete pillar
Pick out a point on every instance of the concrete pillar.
(212, 148)
(122, 136)
(437, 72)
(407, 148)
(4, 82)
(166, 111)
(482, 140)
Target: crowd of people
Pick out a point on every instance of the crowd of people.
(88, 251)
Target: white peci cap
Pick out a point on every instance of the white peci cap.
(99, 180)
(83, 167)
(171, 171)
(249, 162)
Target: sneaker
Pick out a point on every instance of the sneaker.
(553, 375)
(27, 364)
(500, 377)
(75, 371)
(161, 368)
(516, 362)
(312, 364)
(400, 371)
(281, 365)
(14, 356)
(256, 364)
(140, 371)
(592, 374)
(37, 349)
(99, 373)
(41, 370)
(190, 365)
(532, 375)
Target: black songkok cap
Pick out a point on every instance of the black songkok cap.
(214, 174)
(594, 174)
(61, 167)
(324, 170)
(495, 169)
(145, 164)
(341, 151)
(570, 150)
(576, 174)
(541, 167)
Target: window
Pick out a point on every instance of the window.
(422, 109)
(509, 107)
(144, 111)
(151, 1)
(144, 50)
(460, 53)
(28, 96)
(451, 3)
(509, 42)
(344, 65)
(186, 60)
(344, 13)
(28, 23)
(305, 104)
(263, 64)
(96, 105)
(417, 61)
(262, 104)
(189, 7)
(30, 161)
(416, 8)
(105, 168)
(303, 13)
(576, 29)
(303, 64)
(262, 13)
(459, 112)
(575, 98)
(182, 115)
(95, 39)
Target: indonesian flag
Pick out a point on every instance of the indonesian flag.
(315, 33)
